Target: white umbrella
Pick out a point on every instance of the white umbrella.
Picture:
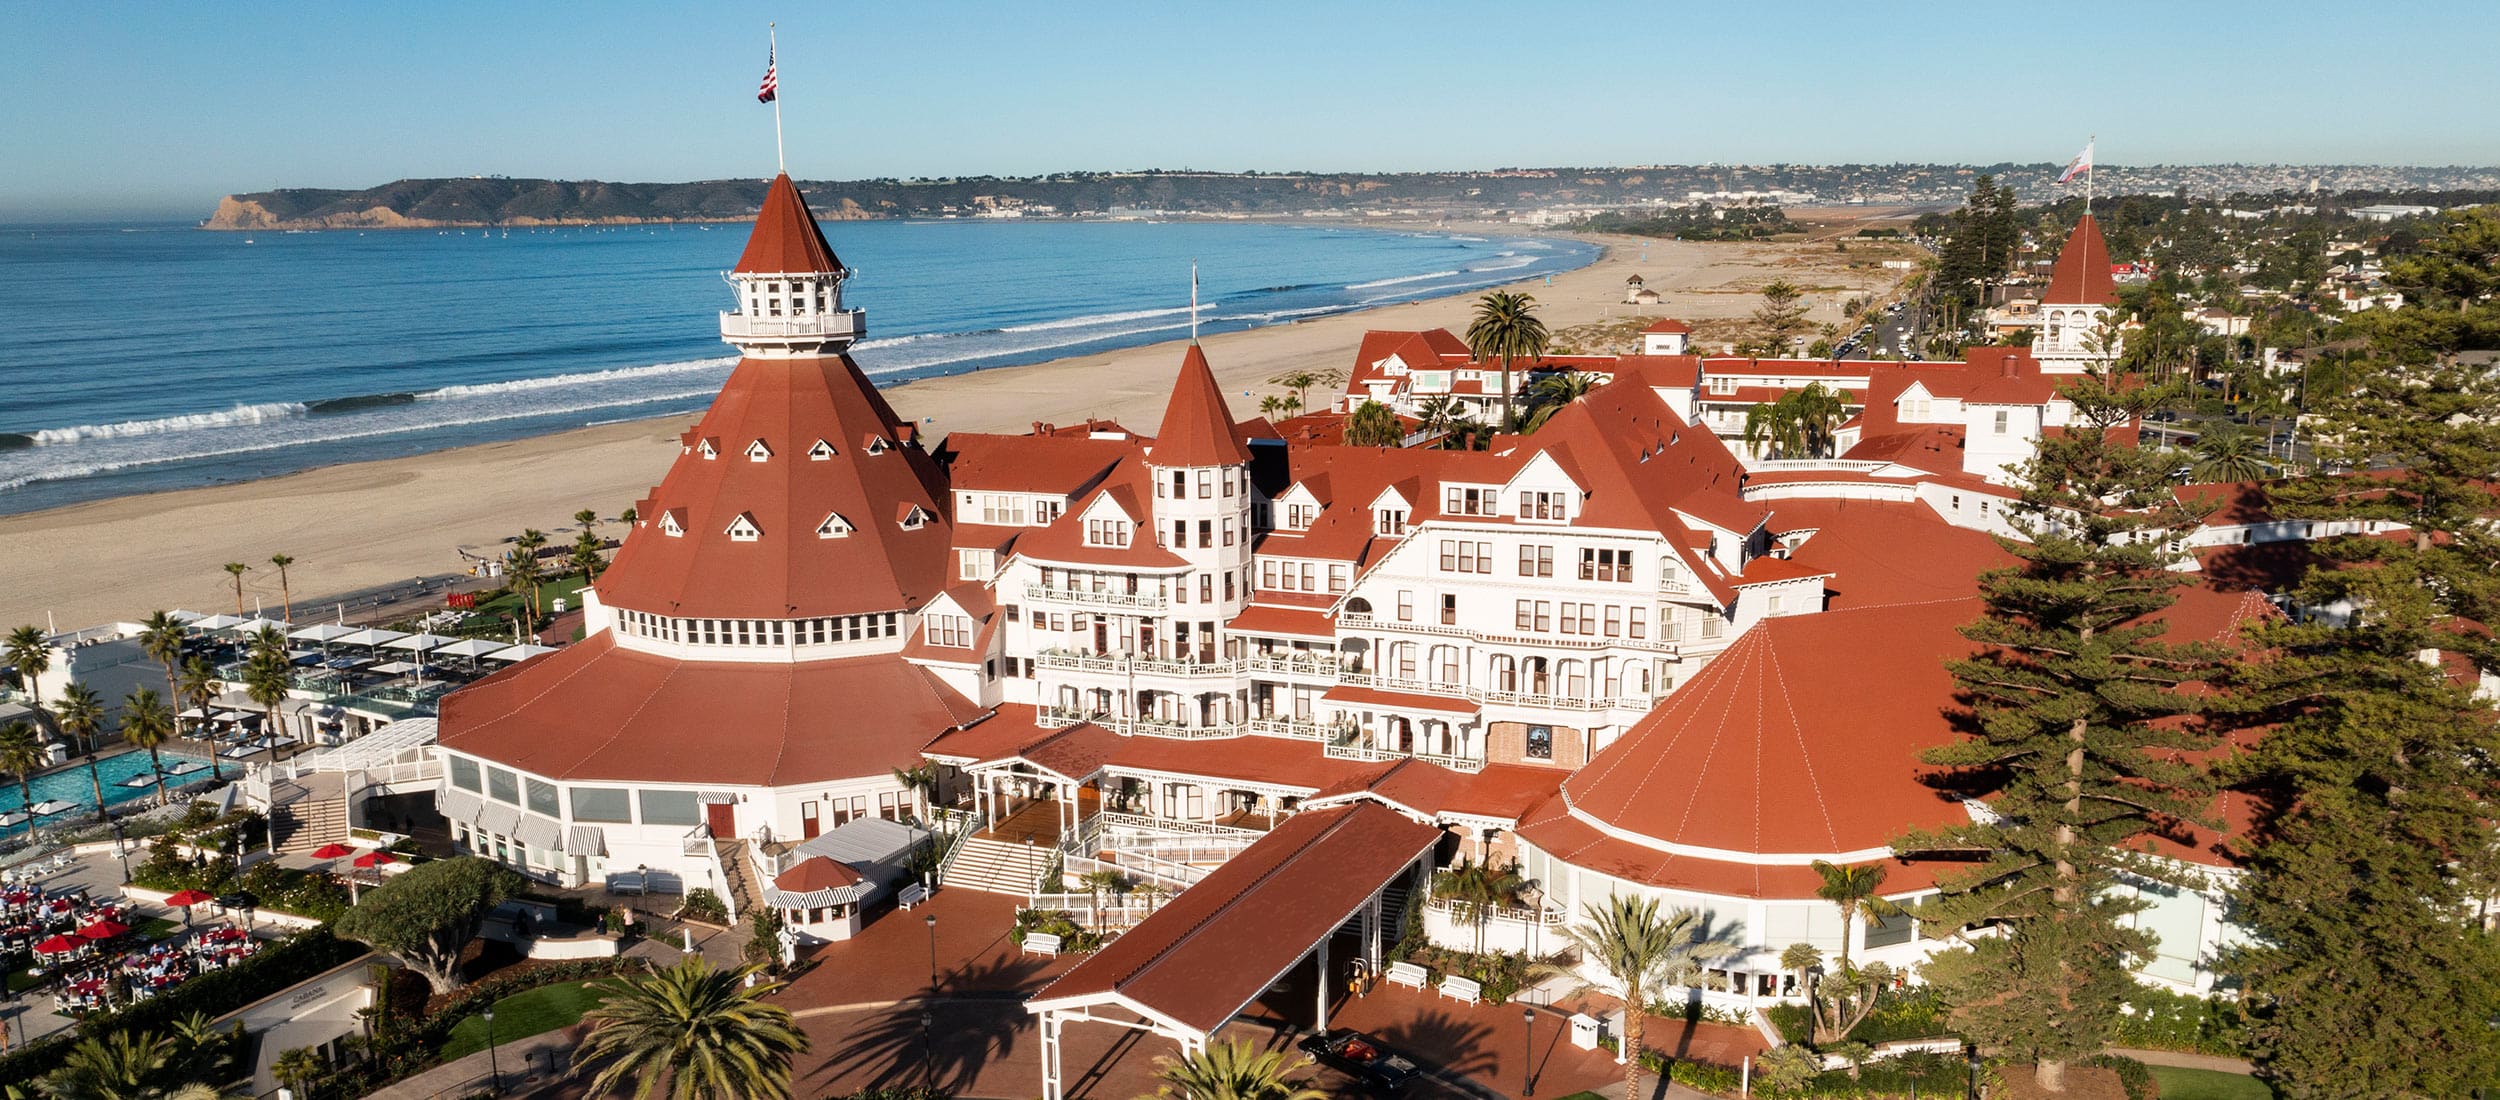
(324, 633)
(394, 668)
(519, 652)
(419, 643)
(187, 618)
(254, 626)
(471, 647)
(216, 622)
(369, 637)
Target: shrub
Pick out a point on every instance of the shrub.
(1055, 922)
(1501, 973)
(703, 905)
(2157, 1019)
(1918, 1012)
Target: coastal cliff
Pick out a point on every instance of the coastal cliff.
(469, 203)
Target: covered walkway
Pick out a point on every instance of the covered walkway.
(1194, 965)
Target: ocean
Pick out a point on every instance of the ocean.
(136, 358)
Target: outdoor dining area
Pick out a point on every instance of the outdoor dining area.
(87, 951)
(372, 670)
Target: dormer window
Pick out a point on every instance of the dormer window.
(743, 529)
(821, 452)
(1107, 532)
(707, 450)
(833, 527)
(1544, 504)
(1723, 385)
(1389, 521)
(758, 452)
(876, 445)
(914, 517)
(670, 525)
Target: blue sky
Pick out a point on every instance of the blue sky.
(156, 109)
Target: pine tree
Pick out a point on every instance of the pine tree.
(2074, 741)
(2372, 969)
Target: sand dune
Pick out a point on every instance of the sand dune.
(361, 525)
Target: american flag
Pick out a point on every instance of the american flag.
(772, 84)
(2076, 167)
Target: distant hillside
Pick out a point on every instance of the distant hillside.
(1557, 194)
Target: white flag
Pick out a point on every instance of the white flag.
(2082, 163)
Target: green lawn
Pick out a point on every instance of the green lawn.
(156, 928)
(2205, 1084)
(522, 1015)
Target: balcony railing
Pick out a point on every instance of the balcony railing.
(1645, 645)
(845, 324)
(1055, 717)
(1157, 666)
(1135, 601)
(1544, 700)
(1307, 729)
(1298, 664)
(1514, 914)
(1367, 753)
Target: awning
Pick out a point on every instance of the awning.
(458, 805)
(419, 643)
(519, 652)
(715, 798)
(1398, 700)
(471, 647)
(322, 632)
(369, 637)
(586, 840)
(540, 832)
(255, 626)
(499, 819)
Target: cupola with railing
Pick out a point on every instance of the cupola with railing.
(789, 285)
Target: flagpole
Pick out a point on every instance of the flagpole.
(1193, 301)
(2092, 154)
(781, 161)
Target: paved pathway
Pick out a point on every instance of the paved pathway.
(2179, 1060)
(527, 1067)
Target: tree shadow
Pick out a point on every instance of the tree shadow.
(959, 1038)
(1452, 1042)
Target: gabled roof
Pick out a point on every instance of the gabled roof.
(1197, 429)
(786, 240)
(788, 571)
(2081, 276)
(1668, 325)
(815, 873)
(1060, 464)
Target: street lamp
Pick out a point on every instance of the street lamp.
(492, 1066)
(121, 848)
(931, 919)
(928, 1049)
(1971, 1055)
(1527, 1070)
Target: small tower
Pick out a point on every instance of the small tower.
(789, 286)
(1201, 472)
(2077, 315)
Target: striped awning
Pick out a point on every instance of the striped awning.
(586, 840)
(818, 899)
(458, 805)
(715, 798)
(498, 819)
(540, 832)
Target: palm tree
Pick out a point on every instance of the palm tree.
(161, 639)
(81, 715)
(1771, 429)
(1506, 328)
(1641, 953)
(521, 578)
(148, 723)
(710, 1034)
(628, 516)
(125, 1065)
(1443, 415)
(198, 688)
(267, 676)
(1853, 889)
(1819, 413)
(2227, 452)
(1233, 1071)
(1271, 406)
(1105, 881)
(299, 1068)
(585, 557)
(1301, 380)
(588, 518)
(921, 779)
(30, 656)
(236, 570)
(286, 594)
(1373, 425)
(1474, 890)
(22, 755)
(1549, 394)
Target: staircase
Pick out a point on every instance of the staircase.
(746, 891)
(1394, 900)
(997, 867)
(306, 813)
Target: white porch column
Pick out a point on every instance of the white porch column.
(1372, 915)
(1052, 1087)
(1322, 950)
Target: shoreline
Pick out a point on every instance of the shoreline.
(360, 525)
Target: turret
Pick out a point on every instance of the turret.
(789, 285)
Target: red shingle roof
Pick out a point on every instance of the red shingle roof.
(786, 240)
(2081, 276)
(816, 873)
(1197, 429)
(596, 711)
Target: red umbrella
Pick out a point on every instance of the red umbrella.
(105, 930)
(189, 898)
(59, 945)
(331, 851)
(375, 858)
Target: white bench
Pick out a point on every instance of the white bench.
(1409, 975)
(625, 883)
(911, 895)
(1041, 943)
(1463, 990)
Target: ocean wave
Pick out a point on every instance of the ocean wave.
(582, 378)
(1401, 279)
(1096, 319)
(995, 350)
(1510, 265)
(189, 422)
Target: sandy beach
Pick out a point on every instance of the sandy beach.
(362, 525)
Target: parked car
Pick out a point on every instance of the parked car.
(1367, 1060)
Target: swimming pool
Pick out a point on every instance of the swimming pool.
(72, 785)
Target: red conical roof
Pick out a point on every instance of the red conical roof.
(786, 240)
(892, 557)
(2081, 276)
(1197, 429)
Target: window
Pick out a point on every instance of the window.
(913, 519)
(670, 808)
(743, 529)
(1614, 621)
(1711, 624)
(1406, 605)
(1206, 533)
(1636, 622)
(1774, 604)
(821, 452)
(758, 452)
(1106, 532)
(1536, 561)
(951, 631)
(464, 774)
(1206, 588)
(542, 798)
(1540, 743)
(1469, 502)
(1605, 565)
(503, 786)
(972, 565)
(602, 804)
(1723, 385)
(1228, 529)
(1570, 617)
(1543, 504)
(2001, 414)
(1525, 619)
(1449, 609)
(1005, 509)
(1336, 578)
(1299, 517)
(1389, 521)
(833, 527)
